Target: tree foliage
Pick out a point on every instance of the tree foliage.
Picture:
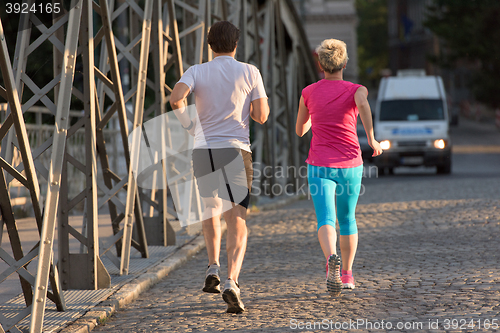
(373, 49)
(470, 32)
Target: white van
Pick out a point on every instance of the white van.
(411, 122)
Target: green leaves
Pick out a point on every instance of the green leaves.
(471, 36)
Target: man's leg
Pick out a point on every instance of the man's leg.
(212, 234)
(236, 179)
(211, 228)
(236, 242)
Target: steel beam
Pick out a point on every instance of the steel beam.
(55, 168)
(136, 136)
(83, 270)
(115, 51)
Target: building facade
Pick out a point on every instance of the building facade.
(410, 42)
(323, 19)
(412, 46)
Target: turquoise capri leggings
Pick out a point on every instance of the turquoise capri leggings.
(324, 183)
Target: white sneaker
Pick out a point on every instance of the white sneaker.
(231, 296)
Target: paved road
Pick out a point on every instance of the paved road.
(428, 255)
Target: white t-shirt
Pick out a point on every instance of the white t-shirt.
(223, 90)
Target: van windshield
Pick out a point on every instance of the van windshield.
(412, 109)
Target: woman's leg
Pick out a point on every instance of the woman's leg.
(348, 246)
(349, 186)
(322, 191)
(328, 240)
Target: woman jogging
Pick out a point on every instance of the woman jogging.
(335, 167)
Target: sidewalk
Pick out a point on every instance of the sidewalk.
(123, 288)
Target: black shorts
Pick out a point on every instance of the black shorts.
(224, 172)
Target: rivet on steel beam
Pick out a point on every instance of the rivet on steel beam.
(47, 241)
(39, 300)
(41, 288)
(54, 183)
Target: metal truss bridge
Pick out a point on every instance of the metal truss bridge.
(120, 82)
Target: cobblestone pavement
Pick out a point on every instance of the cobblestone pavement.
(420, 264)
(422, 261)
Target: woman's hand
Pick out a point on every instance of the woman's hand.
(377, 150)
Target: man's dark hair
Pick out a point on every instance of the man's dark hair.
(223, 37)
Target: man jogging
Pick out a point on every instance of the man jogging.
(227, 93)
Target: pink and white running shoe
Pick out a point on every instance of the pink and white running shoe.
(347, 281)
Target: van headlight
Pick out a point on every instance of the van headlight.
(439, 144)
(386, 144)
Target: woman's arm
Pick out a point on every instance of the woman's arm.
(360, 97)
(303, 119)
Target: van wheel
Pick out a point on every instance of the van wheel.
(382, 171)
(444, 168)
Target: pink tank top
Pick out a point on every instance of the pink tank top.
(334, 114)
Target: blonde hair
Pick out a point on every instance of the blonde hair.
(332, 55)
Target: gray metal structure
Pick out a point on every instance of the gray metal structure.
(173, 34)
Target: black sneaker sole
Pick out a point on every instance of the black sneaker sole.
(212, 284)
(333, 283)
(234, 304)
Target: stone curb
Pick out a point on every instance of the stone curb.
(131, 291)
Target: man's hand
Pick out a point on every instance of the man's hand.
(177, 97)
(191, 130)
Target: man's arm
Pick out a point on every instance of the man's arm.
(259, 110)
(177, 97)
(303, 119)
(360, 97)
